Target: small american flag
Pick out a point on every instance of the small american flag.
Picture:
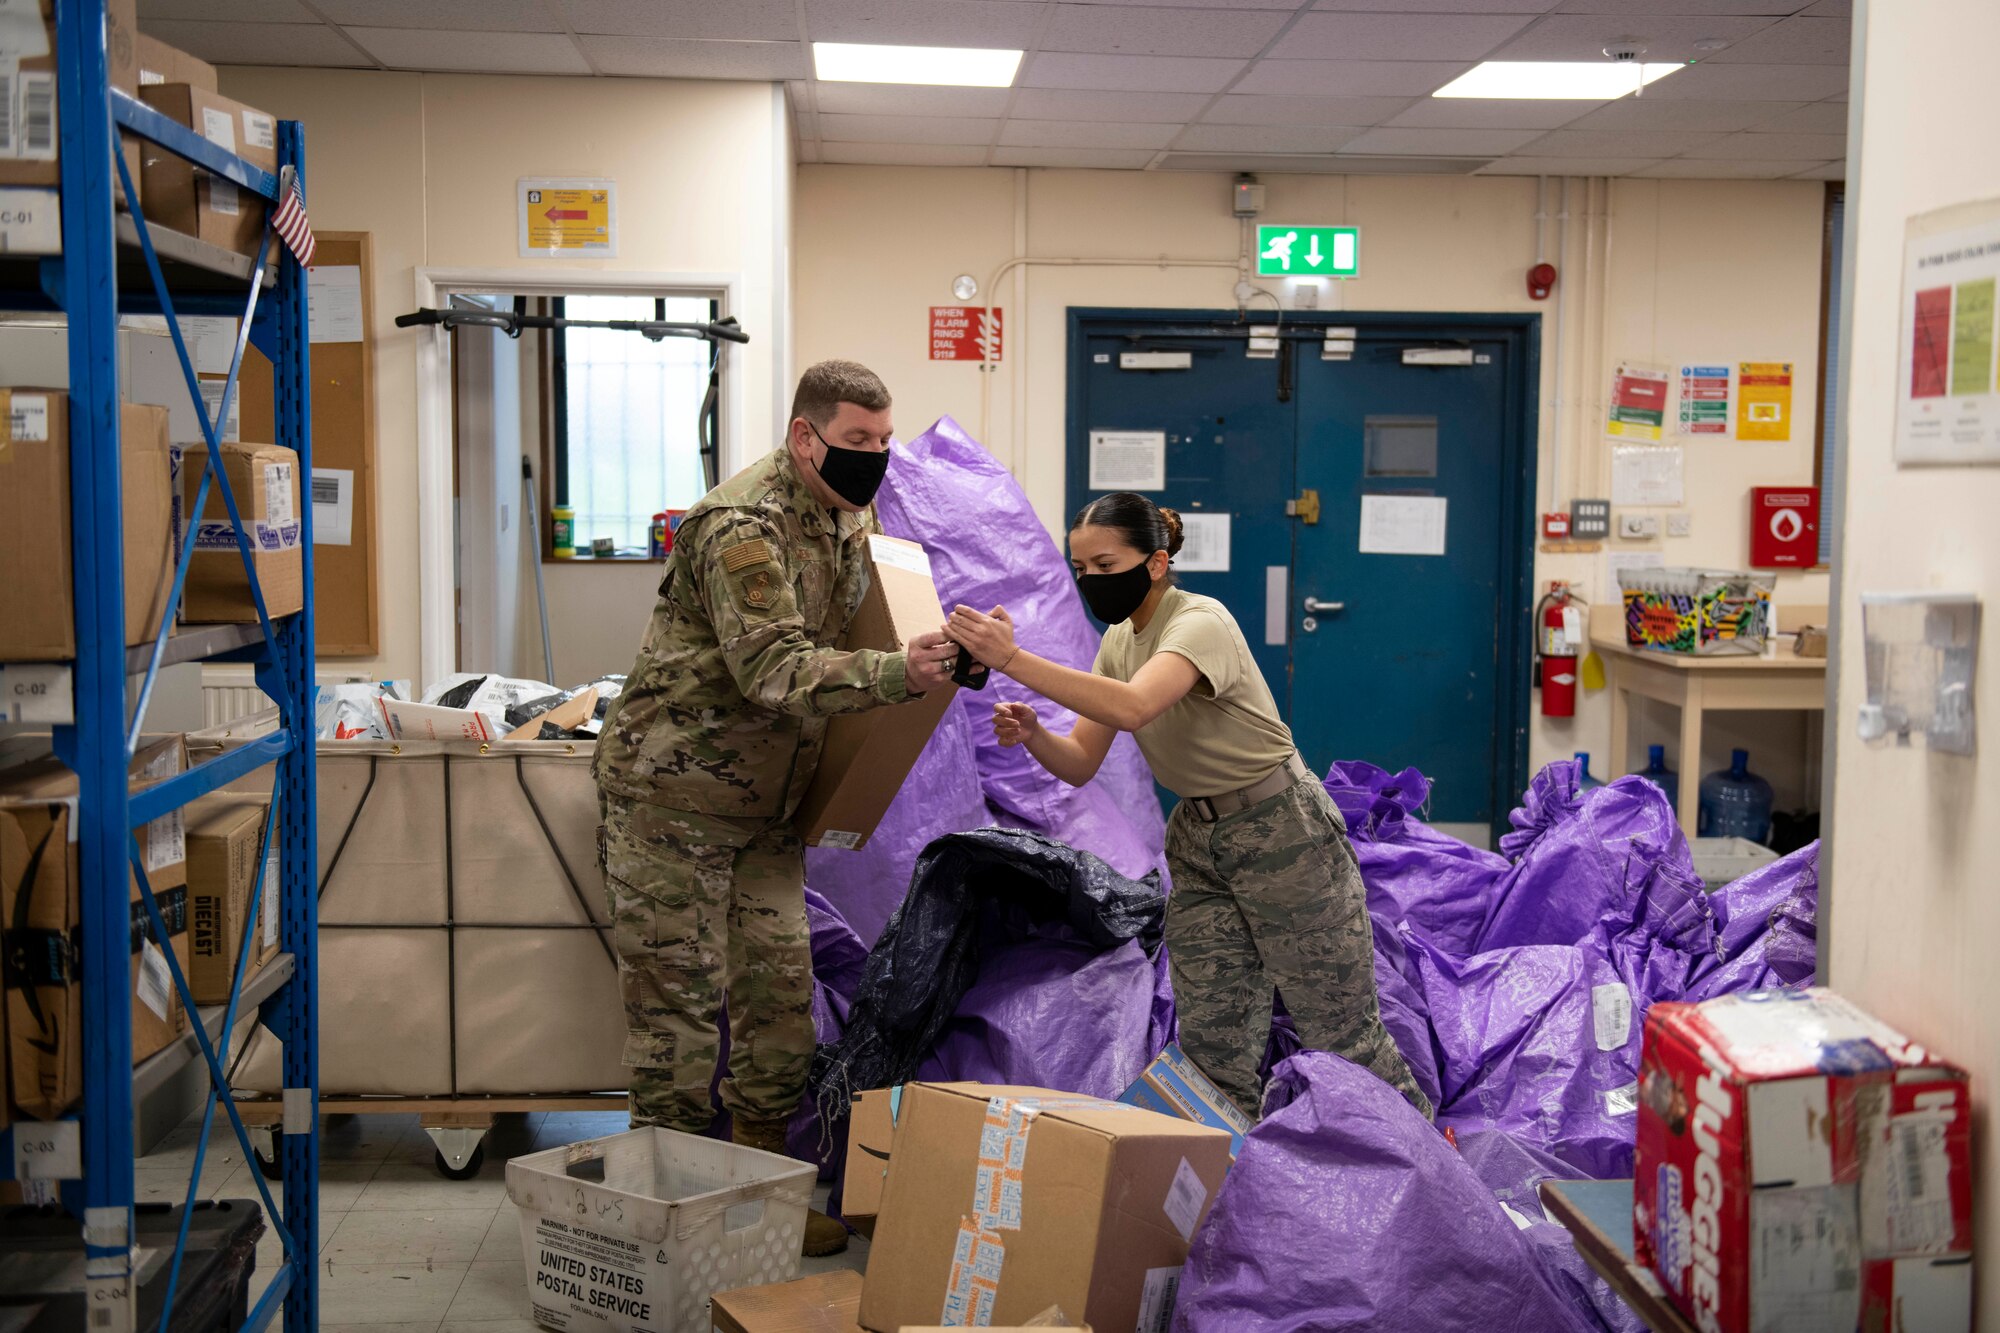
(290, 221)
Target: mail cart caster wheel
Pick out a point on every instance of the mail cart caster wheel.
(272, 1167)
(466, 1172)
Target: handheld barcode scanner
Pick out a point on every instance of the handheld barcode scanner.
(968, 672)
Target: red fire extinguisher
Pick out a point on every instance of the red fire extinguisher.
(1558, 643)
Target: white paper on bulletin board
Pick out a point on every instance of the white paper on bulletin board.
(1646, 475)
(1204, 544)
(1947, 392)
(211, 341)
(334, 303)
(1402, 524)
(1128, 460)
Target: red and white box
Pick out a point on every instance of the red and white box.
(1802, 1168)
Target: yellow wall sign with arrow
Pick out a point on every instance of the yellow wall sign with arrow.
(567, 216)
(1308, 252)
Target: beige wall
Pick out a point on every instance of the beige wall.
(428, 163)
(1915, 837)
(1696, 268)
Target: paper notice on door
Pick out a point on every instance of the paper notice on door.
(333, 303)
(1128, 460)
(333, 506)
(1402, 524)
(1646, 475)
(1204, 544)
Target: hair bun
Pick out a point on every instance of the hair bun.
(1172, 518)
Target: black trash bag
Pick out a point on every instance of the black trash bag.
(460, 695)
(968, 893)
(521, 714)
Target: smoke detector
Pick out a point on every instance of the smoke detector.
(1625, 50)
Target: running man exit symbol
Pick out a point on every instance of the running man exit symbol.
(1308, 252)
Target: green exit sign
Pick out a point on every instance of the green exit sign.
(1308, 252)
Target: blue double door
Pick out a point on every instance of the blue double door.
(1365, 513)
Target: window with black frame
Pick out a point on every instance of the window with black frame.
(633, 422)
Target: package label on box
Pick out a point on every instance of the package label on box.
(842, 839)
(219, 534)
(218, 128)
(1156, 1306)
(28, 418)
(27, 113)
(37, 692)
(156, 983)
(1805, 1260)
(223, 198)
(900, 555)
(1184, 1200)
(259, 130)
(278, 492)
(166, 837)
(23, 34)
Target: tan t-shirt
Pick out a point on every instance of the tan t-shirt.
(1225, 733)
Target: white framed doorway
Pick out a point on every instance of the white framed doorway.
(436, 443)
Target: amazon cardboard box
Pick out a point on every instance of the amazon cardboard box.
(264, 478)
(186, 198)
(37, 609)
(225, 851)
(30, 153)
(40, 914)
(1003, 1201)
(160, 63)
(867, 755)
(871, 1125)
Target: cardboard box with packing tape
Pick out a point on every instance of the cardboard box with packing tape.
(41, 912)
(867, 755)
(225, 855)
(1003, 1201)
(1802, 1165)
(264, 479)
(188, 199)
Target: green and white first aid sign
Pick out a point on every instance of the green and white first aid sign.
(1308, 252)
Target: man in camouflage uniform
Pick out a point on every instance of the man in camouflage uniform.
(715, 740)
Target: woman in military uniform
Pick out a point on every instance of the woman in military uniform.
(1265, 889)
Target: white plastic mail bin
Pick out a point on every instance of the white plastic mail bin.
(638, 1230)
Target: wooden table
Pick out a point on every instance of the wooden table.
(1598, 1216)
(1698, 685)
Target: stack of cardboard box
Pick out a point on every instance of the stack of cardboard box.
(31, 153)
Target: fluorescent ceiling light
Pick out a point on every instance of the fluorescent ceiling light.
(956, 66)
(1579, 80)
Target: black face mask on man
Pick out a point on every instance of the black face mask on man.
(1112, 598)
(852, 474)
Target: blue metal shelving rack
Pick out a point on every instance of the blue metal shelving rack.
(112, 265)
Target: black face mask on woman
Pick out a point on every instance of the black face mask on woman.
(853, 474)
(1112, 598)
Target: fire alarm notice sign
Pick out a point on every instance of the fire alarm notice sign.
(965, 333)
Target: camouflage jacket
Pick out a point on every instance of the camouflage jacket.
(725, 711)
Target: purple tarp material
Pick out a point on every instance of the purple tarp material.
(1346, 1210)
(1514, 1172)
(1055, 1013)
(838, 954)
(1440, 885)
(988, 548)
(942, 795)
(1768, 929)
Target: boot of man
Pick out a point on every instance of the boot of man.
(824, 1236)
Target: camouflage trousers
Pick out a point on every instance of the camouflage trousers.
(709, 910)
(1270, 897)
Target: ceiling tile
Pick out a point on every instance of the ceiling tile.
(1351, 78)
(1496, 113)
(1751, 146)
(1072, 157)
(1688, 168)
(1565, 166)
(1082, 104)
(891, 99)
(1264, 138)
(665, 58)
(805, 152)
(1825, 171)
(1830, 9)
(1438, 6)
(1085, 134)
(1322, 164)
(902, 154)
(1441, 143)
(1649, 8)
(225, 11)
(1813, 118)
(472, 52)
(1666, 113)
(1583, 36)
(739, 20)
(907, 129)
(313, 44)
(1255, 109)
(1397, 36)
(1750, 83)
(1618, 143)
(1142, 31)
(1287, 5)
(924, 22)
(483, 15)
(1796, 41)
(1134, 74)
